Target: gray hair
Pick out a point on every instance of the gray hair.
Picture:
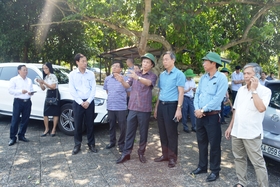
(256, 68)
(171, 54)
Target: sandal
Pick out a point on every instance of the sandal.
(236, 185)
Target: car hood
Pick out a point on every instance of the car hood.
(65, 94)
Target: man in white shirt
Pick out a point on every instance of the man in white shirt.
(237, 78)
(21, 88)
(82, 86)
(188, 107)
(263, 78)
(251, 103)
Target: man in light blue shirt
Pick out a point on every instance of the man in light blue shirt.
(207, 102)
(168, 108)
(237, 78)
(82, 87)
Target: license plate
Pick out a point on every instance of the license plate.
(271, 150)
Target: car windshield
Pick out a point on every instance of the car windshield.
(61, 74)
(275, 95)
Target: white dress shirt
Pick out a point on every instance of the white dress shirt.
(188, 84)
(17, 84)
(248, 120)
(82, 85)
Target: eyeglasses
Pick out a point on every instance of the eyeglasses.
(115, 66)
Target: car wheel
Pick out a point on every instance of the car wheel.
(66, 120)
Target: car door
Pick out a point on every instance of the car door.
(6, 99)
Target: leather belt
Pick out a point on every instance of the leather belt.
(213, 112)
(168, 102)
(23, 100)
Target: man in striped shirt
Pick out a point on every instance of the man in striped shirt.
(116, 105)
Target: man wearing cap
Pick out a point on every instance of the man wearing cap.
(225, 71)
(168, 108)
(207, 102)
(237, 78)
(188, 107)
(140, 106)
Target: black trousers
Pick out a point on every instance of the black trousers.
(208, 130)
(23, 108)
(120, 117)
(234, 93)
(134, 119)
(83, 115)
(168, 130)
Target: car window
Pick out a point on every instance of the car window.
(8, 72)
(32, 74)
(275, 95)
(61, 75)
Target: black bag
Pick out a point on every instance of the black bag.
(53, 100)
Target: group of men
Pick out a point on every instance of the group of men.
(175, 93)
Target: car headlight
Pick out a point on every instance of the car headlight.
(98, 101)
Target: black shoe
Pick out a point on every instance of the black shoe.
(23, 139)
(226, 116)
(198, 171)
(53, 135)
(194, 129)
(45, 134)
(76, 149)
(187, 130)
(110, 145)
(142, 158)
(12, 142)
(92, 148)
(212, 177)
(123, 158)
(171, 163)
(160, 159)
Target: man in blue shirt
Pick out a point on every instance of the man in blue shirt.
(116, 105)
(207, 103)
(168, 108)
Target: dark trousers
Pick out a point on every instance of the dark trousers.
(134, 119)
(168, 131)
(188, 108)
(120, 117)
(208, 130)
(20, 108)
(234, 93)
(83, 115)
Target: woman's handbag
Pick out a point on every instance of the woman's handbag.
(52, 100)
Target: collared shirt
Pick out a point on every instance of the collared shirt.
(117, 94)
(168, 84)
(188, 84)
(141, 95)
(51, 79)
(236, 77)
(262, 81)
(210, 92)
(247, 119)
(17, 84)
(82, 85)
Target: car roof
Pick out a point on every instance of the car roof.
(28, 64)
(269, 82)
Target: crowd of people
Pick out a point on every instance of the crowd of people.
(129, 107)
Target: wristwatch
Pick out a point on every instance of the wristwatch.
(139, 78)
(180, 106)
(202, 110)
(254, 92)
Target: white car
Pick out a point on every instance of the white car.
(66, 120)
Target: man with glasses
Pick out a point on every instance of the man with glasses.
(116, 105)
